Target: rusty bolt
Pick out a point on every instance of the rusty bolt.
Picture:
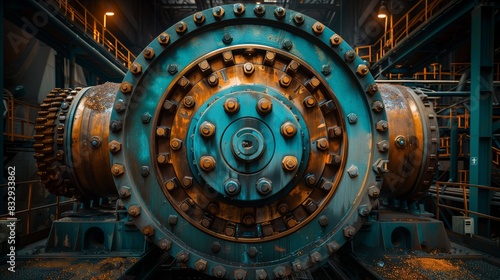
(148, 53)
(201, 265)
(352, 118)
(162, 158)
(400, 141)
(373, 191)
(124, 192)
(289, 163)
(218, 12)
(264, 186)
(353, 171)
(322, 144)
(172, 68)
(238, 9)
(215, 247)
(315, 257)
(207, 163)
(309, 102)
(207, 129)
(180, 27)
(312, 84)
(285, 80)
(199, 18)
(383, 146)
(382, 126)
(175, 144)
(117, 169)
(260, 274)
(163, 38)
(163, 131)
(219, 271)
(231, 105)
(318, 28)
(349, 231)
(372, 89)
(188, 101)
(298, 19)
(279, 271)
(170, 185)
(119, 106)
(349, 56)
(287, 44)
(288, 129)
(378, 106)
(125, 87)
(213, 79)
(135, 68)
(362, 70)
(115, 126)
(183, 256)
(134, 210)
(264, 106)
(283, 208)
(310, 180)
(165, 244)
(259, 10)
(279, 13)
(248, 220)
(148, 230)
(323, 220)
(333, 246)
(292, 67)
(334, 131)
(173, 219)
(335, 40)
(114, 146)
(248, 68)
(204, 66)
(187, 181)
(380, 166)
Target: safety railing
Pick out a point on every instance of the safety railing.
(464, 188)
(20, 120)
(398, 31)
(29, 210)
(456, 70)
(96, 30)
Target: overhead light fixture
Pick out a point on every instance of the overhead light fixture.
(110, 13)
(382, 11)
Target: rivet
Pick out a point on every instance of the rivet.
(264, 106)
(288, 130)
(349, 56)
(400, 141)
(352, 118)
(95, 142)
(172, 68)
(298, 19)
(287, 44)
(362, 70)
(323, 220)
(145, 118)
(238, 9)
(188, 101)
(215, 247)
(231, 105)
(175, 144)
(285, 80)
(248, 68)
(180, 27)
(135, 68)
(207, 129)
(207, 163)
(318, 28)
(218, 12)
(335, 40)
(279, 13)
(353, 171)
(134, 210)
(213, 79)
(125, 87)
(199, 18)
(259, 10)
(148, 53)
(289, 163)
(378, 106)
(322, 144)
(164, 38)
(380, 166)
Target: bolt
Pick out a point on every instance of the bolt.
(322, 144)
(201, 265)
(134, 210)
(287, 44)
(372, 89)
(165, 244)
(248, 68)
(315, 257)
(353, 171)
(312, 84)
(204, 66)
(279, 13)
(162, 158)
(309, 102)
(164, 38)
(333, 246)
(380, 166)
(326, 69)
(175, 144)
(181, 27)
(232, 186)
(145, 118)
(229, 231)
(289, 163)
(240, 274)
(115, 126)
(188, 101)
(349, 56)
(318, 28)
(124, 192)
(335, 40)
(145, 171)
(218, 12)
(172, 220)
(382, 126)
(378, 106)
(171, 106)
(95, 142)
(238, 9)
(148, 53)
(213, 208)
(248, 220)
(213, 79)
(227, 38)
(323, 220)
(292, 67)
(264, 186)
(288, 129)
(283, 208)
(172, 68)
(298, 19)
(207, 129)
(117, 169)
(187, 181)
(363, 210)
(285, 80)
(269, 58)
(125, 87)
(349, 231)
(163, 131)
(199, 18)
(119, 106)
(264, 106)
(207, 163)
(362, 70)
(215, 247)
(310, 180)
(219, 271)
(383, 146)
(231, 105)
(148, 230)
(373, 191)
(260, 274)
(279, 271)
(170, 185)
(183, 256)
(400, 141)
(352, 118)
(259, 10)
(135, 68)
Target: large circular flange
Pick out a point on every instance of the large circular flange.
(279, 55)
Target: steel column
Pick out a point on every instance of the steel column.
(482, 45)
(454, 146)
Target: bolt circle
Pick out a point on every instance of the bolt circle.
(207, 163)
(289, 163)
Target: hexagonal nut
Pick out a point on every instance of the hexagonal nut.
(315, 257)
(335, 40)
(114, 146)
(349, 231)
(297, 265)
(240, 274)
(124, 192)
(201, 265)
(383, 146)
(373, 191)
(382, 126)
(362, 70)
(260, 274)
(148, 230)
(353, 171)
(165, 244)
(219, 271)
(182, 256)
(280, 272)
(333, 246)
(117, 169)
(380, 166)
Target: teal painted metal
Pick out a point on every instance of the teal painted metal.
(454, 147)
(482, 40)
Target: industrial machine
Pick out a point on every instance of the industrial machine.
(248, 141)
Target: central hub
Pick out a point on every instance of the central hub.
(247, 144)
